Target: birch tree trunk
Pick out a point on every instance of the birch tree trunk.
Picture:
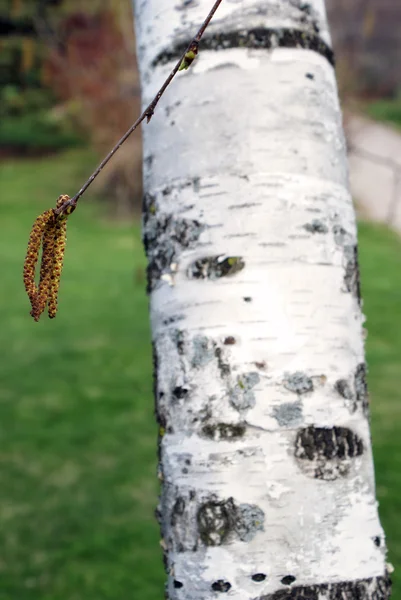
(265, 452)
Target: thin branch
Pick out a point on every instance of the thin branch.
(147, 113)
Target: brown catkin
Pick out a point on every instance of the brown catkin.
(58, 256)
(59, 249)
(50, 230)
(46, 268)
(31, 258)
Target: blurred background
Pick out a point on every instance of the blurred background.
(77, 435)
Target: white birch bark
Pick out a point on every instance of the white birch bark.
(265, 453)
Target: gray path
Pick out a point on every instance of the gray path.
(375, 169)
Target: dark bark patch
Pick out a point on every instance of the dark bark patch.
(180, 392)
(316, 226)
(247, 299)
(222, 522)
(288, 580)
(298, 382)
(214, 522)
(221, 586)
(229, 340)
(215, 267)
(177, 584)
(244, 205)
(206, 521)
(361, 387)
(223, 366)
(164, 238)
(327, 452)
(344, 389)
(372, 588)
(260, 365)
(309, 76)
(173, 319)
(224, 431)
(155, 361)
(356, 394)
(257, 37)
(180, 527)
(351, 277)
(178, 510)
(258, 577)
(178, 337)
(377, 541)
(158, 394)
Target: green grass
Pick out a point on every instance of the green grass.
(77, 433)
(388, 111)
(380, 258)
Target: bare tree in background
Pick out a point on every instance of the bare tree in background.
(249, 228)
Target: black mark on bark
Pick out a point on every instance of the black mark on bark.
(221, 522)
(178, 510)
(224, 431)
(361, 387)
(221, 586)
(327, 452)
(288, 580)
(178, 338)
(157, 395)
(179, 392)
(223, 366)
(258, 37)
(214, 522)
(215, 267)
(258, 577)
(372, 588)
(164, 238)
(351, 277)
(261, 365)
(356, 394)
(316, 226)
(344, 389)
(173, 319)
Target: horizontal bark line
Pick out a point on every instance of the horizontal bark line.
(372, 588)
(257, 38)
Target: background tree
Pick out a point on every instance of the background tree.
(249, 228)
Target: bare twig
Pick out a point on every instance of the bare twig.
(147, 113)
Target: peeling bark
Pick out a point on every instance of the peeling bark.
(260, 377)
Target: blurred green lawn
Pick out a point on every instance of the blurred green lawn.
(77, 433)
(387, 110)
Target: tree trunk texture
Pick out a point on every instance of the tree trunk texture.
(265, 452)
